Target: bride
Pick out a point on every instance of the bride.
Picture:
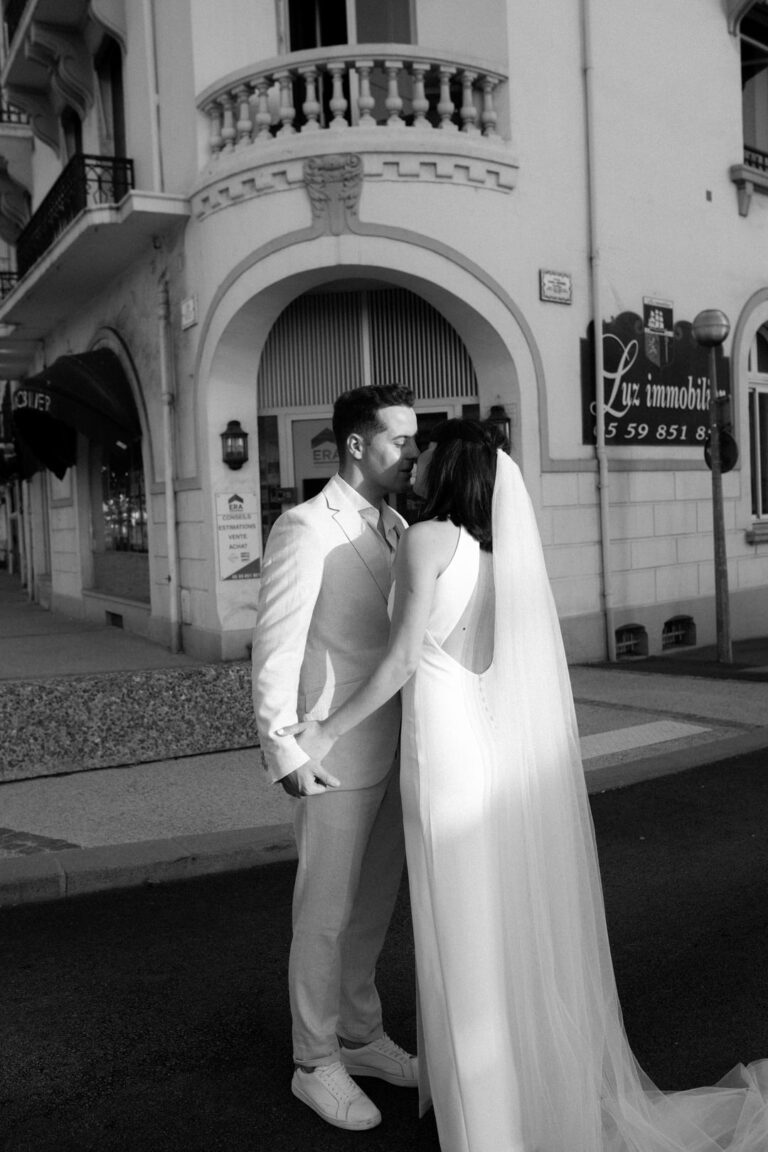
(521, 1042)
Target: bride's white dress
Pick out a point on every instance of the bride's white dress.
(521, 1043)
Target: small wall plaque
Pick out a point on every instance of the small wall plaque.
(555, 287)
(189, 312)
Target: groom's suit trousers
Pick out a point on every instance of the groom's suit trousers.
(351, 855)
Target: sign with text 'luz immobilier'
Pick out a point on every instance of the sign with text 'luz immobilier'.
(655, 381)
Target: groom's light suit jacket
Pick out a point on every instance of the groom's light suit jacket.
(321, 630)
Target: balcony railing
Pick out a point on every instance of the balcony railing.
(86, 182)
(10, 114)
(363, 86)
(8, 281)
(754, 158)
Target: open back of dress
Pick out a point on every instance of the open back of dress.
(522, 1047)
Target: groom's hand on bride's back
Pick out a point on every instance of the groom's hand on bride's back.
(308, 780)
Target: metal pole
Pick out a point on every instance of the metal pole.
(601, 453)
(169, 467)
(722, 610)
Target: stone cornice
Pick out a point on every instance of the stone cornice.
(252, 172)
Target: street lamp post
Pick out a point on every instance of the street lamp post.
(710, 329)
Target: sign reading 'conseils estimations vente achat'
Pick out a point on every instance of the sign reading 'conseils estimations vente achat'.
(237, 524)
(655, 379)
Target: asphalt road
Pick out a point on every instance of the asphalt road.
(156, 1019)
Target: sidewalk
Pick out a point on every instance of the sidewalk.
(173, 818)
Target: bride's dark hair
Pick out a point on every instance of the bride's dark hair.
(461, 475)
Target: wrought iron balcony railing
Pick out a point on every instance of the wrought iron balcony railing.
(8, 281)
(86, 182)
(363, 86)
(754, 158)
(10, 114)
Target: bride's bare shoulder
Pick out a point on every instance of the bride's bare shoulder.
(433, 538)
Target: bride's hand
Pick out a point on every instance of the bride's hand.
(310, 737)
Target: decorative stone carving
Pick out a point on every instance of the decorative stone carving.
(66, 56)
(334, 184)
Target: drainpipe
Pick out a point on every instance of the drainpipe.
(168, 398)
(25, 551)
(596, 293)
(150, 44)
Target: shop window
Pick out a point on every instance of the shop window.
(272, 495)
(757, 385)
(124, 499)
(679, 632)
(119, 518)
(631, 641)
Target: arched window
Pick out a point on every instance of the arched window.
(338, 337)
(757, 383)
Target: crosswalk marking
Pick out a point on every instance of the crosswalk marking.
(636, 736)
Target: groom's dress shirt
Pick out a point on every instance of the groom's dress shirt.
(381, 519)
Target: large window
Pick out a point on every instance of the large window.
(754, 85)
(758, 424)
(321, 23)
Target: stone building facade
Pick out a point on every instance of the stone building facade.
(215, 217)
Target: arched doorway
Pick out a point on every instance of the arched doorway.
(337, 337)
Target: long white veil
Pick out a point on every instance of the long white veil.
(581, 1089)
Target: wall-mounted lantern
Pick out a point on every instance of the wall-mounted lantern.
(498, 415)
(234, 445)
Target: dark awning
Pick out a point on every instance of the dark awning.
(16, 462)
(88, 393)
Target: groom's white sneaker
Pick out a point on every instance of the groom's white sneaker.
(385, 1060)
(330, 1092)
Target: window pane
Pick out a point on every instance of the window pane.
(317, 23)
(762, 408)
(762, 353)
(124, 501)
(379, 23)
(269, 474)
(758, 446)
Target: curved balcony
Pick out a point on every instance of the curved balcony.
(363, 86)
(404, 112)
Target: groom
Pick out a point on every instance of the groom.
(322, 628)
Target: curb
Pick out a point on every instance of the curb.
(635, 771)
(49, 876)
(46, 876)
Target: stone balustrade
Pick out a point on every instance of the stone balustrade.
(352, 87)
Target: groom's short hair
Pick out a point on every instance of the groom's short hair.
(358, 411)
